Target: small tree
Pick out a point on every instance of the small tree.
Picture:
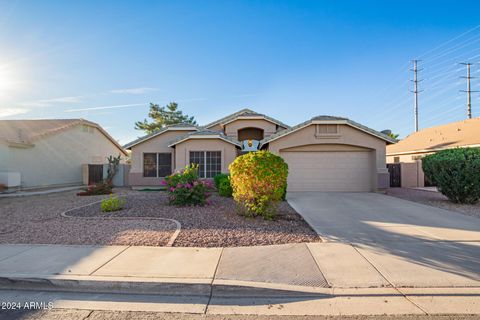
(456, 173)
(258, 181)
(163, 116)
(113, 163)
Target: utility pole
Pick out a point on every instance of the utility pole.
(468, 91)
(415, 92)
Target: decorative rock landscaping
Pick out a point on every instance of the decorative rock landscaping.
(38, 219)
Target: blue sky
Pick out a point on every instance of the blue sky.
(106, 60)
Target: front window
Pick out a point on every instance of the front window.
(209, 162)
(157, 165)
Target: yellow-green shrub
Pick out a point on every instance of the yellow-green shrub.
(258, 181)
(112, 204)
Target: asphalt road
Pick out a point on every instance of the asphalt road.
(72, 314)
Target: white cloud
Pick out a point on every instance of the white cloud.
(106, 107)
(53, 101)
(8, 112)
(141, 90)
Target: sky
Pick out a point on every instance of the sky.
(105, 61)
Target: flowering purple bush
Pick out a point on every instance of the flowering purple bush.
(186, 188)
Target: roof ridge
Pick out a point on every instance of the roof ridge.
(327, 118)
(239, 114)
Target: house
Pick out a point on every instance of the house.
(48, 153)
(405, 157)
(324, 153)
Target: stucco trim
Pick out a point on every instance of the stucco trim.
(431, 150)
(153, 135)
(206, 136)
(278, 123)
(246, 114)
(326, 147)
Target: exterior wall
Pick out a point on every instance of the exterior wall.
(217, 127)
(158, 144)
(412, 174)
(121, 177)
(182, 151)
(351, 137)
(3, 157)
(58, 159)
(231, 129)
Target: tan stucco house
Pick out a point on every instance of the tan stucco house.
(324, 153)
(407, 154)
(48, 153)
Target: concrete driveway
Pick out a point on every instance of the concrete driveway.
(410, 244)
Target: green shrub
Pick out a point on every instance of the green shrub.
(97, 189)
(258, 181)
(225, 188)
(113, 204)
(456, 173)
(220, 177)
(186, 189)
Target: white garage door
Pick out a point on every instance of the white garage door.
(329, 171)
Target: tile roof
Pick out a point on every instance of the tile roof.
(455, 134)
(156, 133)
(327, 118)
(29, 131)
(205, 132)
(245, 113)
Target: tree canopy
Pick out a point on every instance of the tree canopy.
(162, 117)
(393, 135)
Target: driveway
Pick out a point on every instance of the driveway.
(408, 243)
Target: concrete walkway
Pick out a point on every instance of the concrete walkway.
(296, 279)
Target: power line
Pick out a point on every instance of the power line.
(448, 41)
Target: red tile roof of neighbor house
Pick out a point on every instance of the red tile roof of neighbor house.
(29, 131)
(456, 134)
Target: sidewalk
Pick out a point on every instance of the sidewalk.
(296, 279)
(39, 192)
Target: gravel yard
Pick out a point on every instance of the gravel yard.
(37, 219)
(435, 199)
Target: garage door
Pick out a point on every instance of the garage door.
(329, 171)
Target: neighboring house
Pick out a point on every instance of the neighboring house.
(405, 157)
(323, 154)
(46, 153)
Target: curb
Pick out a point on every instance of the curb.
(160, 286)
(169, 287)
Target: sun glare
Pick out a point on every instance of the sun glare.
(7, 80)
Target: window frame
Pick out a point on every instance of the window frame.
(208, 167)
(157, 164)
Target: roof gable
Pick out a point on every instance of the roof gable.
(455, 134)
(26, 132)
(327, 120)
(245, 114)
(204, 134)
(175, 127)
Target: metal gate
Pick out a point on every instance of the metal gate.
(395, 171)
(95, 173)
